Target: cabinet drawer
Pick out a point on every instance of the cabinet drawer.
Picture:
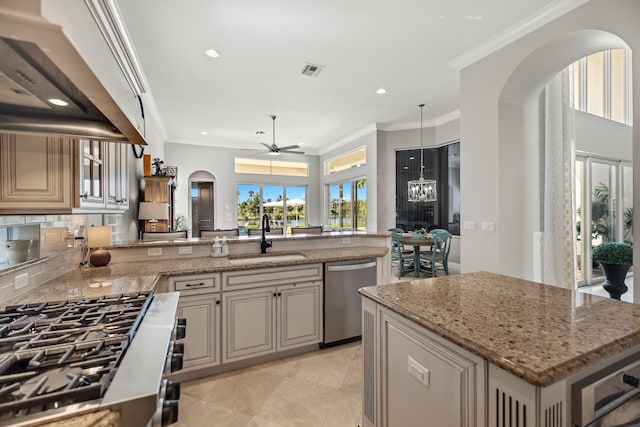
(271, 276)
(194, 282)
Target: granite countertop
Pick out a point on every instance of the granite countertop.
(243, 239)
(129, 277)
(539, 333)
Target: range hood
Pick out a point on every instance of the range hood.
(47, 88)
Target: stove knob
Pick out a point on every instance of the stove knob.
(169, 412)
(178, 347)
(172, 390)
(181, 328)
(176, 361)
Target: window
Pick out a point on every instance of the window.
(602, 85)
(441, 164)
(352, 159)
(285, 205)
(604, 210)
(271, 167)
(348, 205)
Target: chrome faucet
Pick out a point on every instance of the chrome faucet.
(264, 244)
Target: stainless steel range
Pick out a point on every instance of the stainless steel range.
(65, 358)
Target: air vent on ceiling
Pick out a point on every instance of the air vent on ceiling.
(311, 70)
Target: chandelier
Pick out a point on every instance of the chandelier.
(422, 190)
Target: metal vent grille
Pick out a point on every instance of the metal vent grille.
(311, 70)
(369, 367)
(509, 411)
(553, 416)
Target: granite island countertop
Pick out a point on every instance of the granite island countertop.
(129, 277)
(536, 332)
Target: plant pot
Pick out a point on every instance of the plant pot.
(614, 275)
(17, 250)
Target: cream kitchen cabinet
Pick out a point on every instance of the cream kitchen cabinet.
(36, 173)
(411, 374)
(268, 319)
(50, 174)
(117, 176)
(103, 175)
(200, 305)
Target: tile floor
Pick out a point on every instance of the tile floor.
(320, 389)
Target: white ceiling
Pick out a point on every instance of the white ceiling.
(403, 45)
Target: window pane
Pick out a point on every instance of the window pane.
(248, 205)
(577, 86)
(273, 204)
(627, 177)
(346, 206)
(618, 92)
(595, 84)
(361, 204)
(288, 168)
(270, 167)
(334, 205)
(296, 206)
(354, 158)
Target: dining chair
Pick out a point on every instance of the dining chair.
(232, 232)
(401, 258)
(258, 231)
(306, 230)
(439, 253)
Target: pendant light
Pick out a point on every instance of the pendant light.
(422, 190)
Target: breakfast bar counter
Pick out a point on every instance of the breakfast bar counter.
(522, 339)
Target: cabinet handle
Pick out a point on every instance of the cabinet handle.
(193, 285)
(85, 195)
(121, 200)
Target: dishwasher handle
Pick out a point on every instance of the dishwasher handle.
(350, 267)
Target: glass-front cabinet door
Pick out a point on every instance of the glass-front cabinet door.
(91, 170)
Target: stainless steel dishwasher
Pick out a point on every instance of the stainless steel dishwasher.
(342, 301)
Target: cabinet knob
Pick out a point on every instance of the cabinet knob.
(85, 195)
(279, 294)
(218, 302)
(275, 294)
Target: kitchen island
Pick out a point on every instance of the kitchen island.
(483, 349)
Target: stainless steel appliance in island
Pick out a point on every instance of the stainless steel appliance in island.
(63, 359)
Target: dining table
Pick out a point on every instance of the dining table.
(416, 242)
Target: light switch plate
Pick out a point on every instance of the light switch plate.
(21, 281)
(154, 252)
(184, 250)
(469, 225)
(418, 371)
(488, 226)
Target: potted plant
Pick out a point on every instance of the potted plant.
(615, 259)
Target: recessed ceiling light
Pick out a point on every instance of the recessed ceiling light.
(406, 167)
(411, 158)
(204, 133)
(260, 132)
(381, 91)
(301, 143)
(212, 53)
(59, 102)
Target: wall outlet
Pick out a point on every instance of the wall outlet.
(418, 371)
(468, 225)
(184, 250)
(154, 252)
(21, 281)
(488, 226)
(346, 240)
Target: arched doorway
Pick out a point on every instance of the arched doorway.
(201, 202)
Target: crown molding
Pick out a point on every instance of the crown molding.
(512, 33)
(352, 137)
(438, 121)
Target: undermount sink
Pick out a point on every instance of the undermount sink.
(267, 258)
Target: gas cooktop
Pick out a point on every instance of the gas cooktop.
(59, 353)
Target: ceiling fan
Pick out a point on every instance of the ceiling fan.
(274, 150)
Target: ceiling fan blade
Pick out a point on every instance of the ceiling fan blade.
(269, 147)
(291, 152)
(289, 147)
